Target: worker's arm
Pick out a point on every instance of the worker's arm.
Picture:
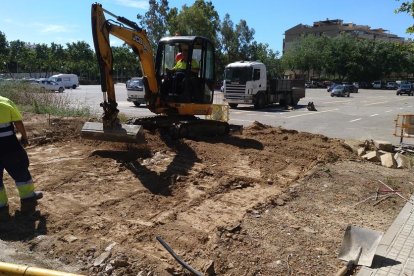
(22, 130)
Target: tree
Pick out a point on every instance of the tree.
(245, 37)
(80, 58)
(155, 21)
(4, 51)
(200, 19)
(125, 61)
(407, 7)
(261, 52)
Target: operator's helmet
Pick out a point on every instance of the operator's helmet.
(178, 57)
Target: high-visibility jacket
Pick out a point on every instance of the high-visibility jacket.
(182, 65)
(8, 114)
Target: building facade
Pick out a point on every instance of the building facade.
(333, 28)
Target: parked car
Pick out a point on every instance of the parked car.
(377, 84)
(333, 85)
(50, 85)
(405, 88)
(391, 85)
(311, 84)
(351, 87)
(341, 91)
(135, 91)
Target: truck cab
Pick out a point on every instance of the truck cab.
(247, 82)
(243, 80)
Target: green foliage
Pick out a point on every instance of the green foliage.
(34, 99)
(348, 57)
(155, 21)
(407, 7)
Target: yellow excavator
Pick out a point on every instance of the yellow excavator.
(176, 96)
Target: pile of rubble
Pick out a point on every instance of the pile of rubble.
(389, 156)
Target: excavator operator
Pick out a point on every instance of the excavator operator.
(179, 73)
(181, 59)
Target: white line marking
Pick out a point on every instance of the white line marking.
(250, 121)
(373, 115)
(388, 111)
(336, 102)
(311, 113)
(355, 120)
(376, 103)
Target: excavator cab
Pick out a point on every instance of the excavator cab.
(190, 78)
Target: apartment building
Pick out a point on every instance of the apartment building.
(333, 28)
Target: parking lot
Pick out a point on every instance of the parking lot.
(369, 114)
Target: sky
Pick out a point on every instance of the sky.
(67, 21)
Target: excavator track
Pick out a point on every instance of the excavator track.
(177, 127)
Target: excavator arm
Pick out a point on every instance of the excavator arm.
(136, 38)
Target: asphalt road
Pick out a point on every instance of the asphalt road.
(369, 114)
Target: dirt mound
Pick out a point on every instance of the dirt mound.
(267, 202)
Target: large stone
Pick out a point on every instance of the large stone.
(361, 151)
(403, 162)
(372, 156)
(383, 145)
(102, 258)
(387, 160)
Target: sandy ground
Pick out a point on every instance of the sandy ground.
(269, 201)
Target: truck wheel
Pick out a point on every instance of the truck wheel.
(233, 105)
(61, 89)
(295, 102)
(260, 101)
(137, 104)
(74, 86)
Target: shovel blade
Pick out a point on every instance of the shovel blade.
(358, 238)
(121, 133)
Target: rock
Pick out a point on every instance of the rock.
(280, 202)
(209, 268)
(361, 151)
(69, 238)
(387, 160)
(120, 261)
(383, 145)
(309, 230)
(108, 269)
(354, 145)
(402, 161)
(102, 258)
(372, 156)
(109, 247)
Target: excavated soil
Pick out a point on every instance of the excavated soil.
(269, 201)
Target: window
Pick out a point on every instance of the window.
(256, 74)
(209, 73)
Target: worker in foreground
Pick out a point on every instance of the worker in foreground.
(14, 159)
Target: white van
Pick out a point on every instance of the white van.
(67, 80)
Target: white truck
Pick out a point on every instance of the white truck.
(246, 82)
(67, 80)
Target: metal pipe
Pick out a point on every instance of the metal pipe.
(8, 269)
(178, 259)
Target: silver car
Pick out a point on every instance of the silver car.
(340, 91)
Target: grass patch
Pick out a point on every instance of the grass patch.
(34, 99)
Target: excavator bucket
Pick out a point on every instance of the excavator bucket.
(120, 133)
